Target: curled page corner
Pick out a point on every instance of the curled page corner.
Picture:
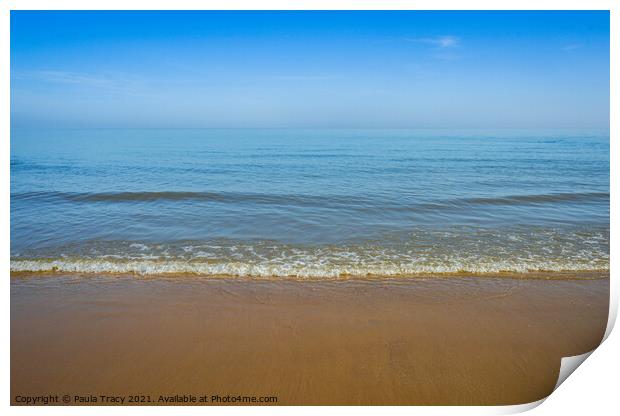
(568, 365)
(520, 408)
(613, 314)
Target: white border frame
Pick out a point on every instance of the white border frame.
(596, 381)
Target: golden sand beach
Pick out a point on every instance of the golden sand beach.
(406, 341)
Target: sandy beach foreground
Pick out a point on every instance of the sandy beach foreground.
(460, 340)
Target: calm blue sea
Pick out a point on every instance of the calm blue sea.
(308, 203)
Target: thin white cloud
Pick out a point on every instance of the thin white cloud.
(63, 77)
(109, 82)
(571, 46)
(442, 42)
(302, 77)
(102, 80)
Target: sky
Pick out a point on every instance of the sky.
(321, 69)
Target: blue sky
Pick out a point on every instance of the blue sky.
(310, 69)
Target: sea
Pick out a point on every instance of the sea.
(308, 203)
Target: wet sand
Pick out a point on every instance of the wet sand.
(461, 340)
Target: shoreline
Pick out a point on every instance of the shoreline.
(460, 340)
(592, 274)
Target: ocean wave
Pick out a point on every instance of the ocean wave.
(418, 251)
(173, 196)
(542, 198)
(410, 202)
(317, 270)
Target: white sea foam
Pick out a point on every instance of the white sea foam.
(422, 252)
(319, 269)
